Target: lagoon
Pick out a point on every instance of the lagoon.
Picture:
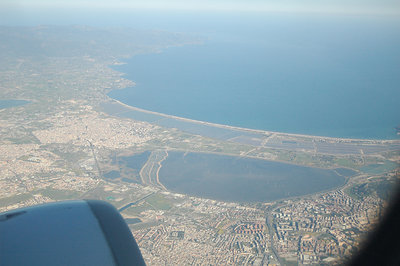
(238, 179)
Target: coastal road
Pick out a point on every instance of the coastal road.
(258, 138)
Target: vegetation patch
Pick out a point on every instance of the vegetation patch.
(14, 199)
(57, 194)
(159, 202)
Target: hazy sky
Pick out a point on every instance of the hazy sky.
(335, 6)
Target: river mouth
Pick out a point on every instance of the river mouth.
(238, 179)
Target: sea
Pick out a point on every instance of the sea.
(317, 74)
(336, 76)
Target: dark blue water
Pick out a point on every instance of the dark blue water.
(334, 76)
(331, 75)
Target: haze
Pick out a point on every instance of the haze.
(330, 6)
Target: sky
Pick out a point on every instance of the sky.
(319, 6)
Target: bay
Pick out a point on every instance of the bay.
(335, 76)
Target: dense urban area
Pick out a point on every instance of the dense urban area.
(63, 138)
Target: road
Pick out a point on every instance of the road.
(271, 233)
(135, 202)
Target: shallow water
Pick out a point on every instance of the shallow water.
(239, 179)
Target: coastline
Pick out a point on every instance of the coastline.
(352, 131)
(257, 131)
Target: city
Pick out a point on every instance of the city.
(64, 141)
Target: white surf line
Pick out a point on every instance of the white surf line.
(259, 131)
